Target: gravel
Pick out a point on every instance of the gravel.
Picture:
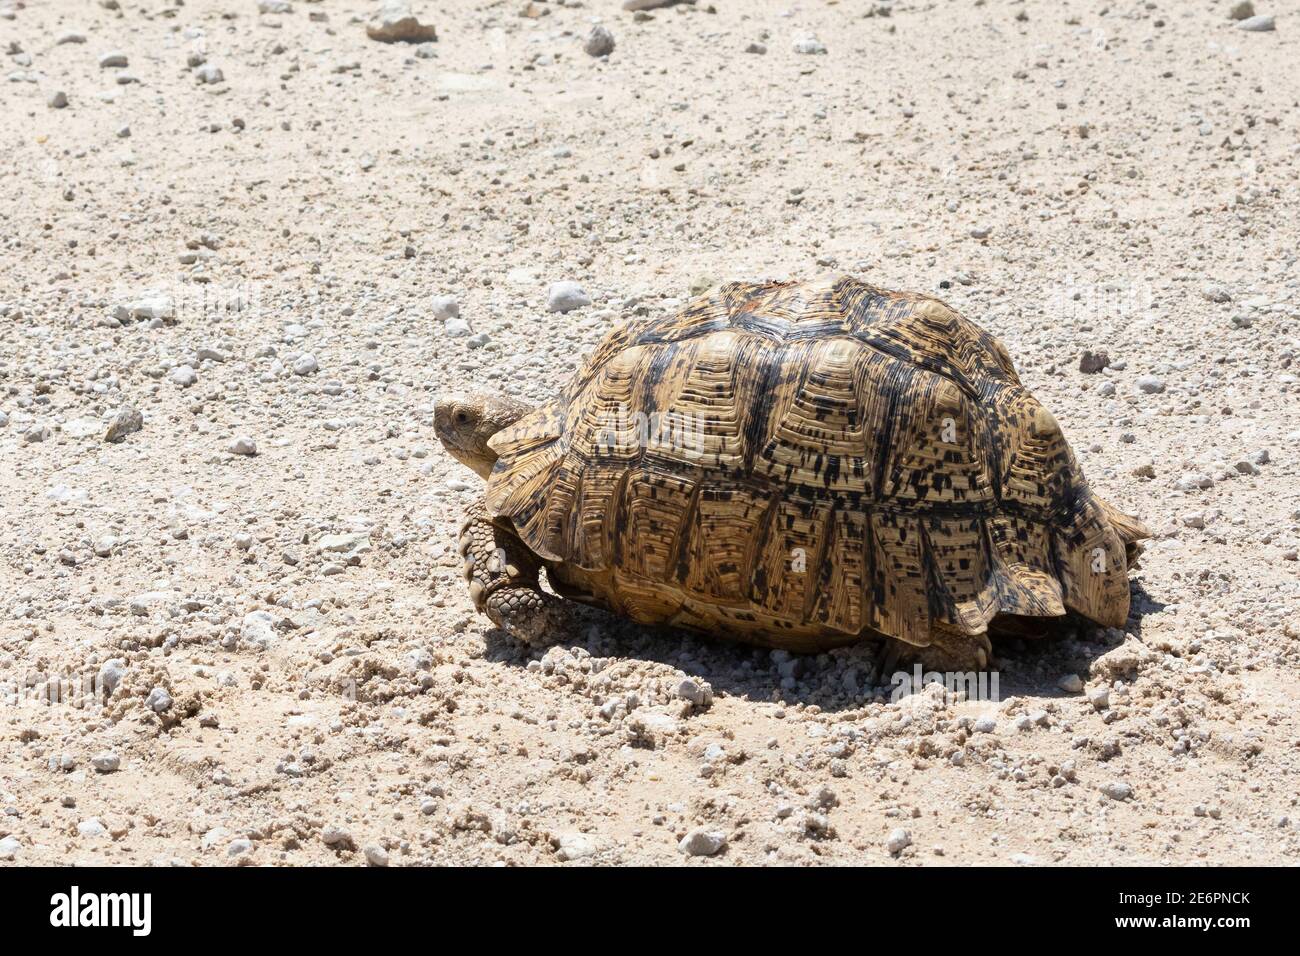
(600, 42)
(106, 762)
(395, 23)
(125, 421)
(809, 46)
(898, 840)
(1117, 790)
(444, 307)
(702, 842)
(566, 296)
(1264, 23)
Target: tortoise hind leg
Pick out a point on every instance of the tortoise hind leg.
(949, 650)
(502, 576)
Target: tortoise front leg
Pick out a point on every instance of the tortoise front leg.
(502, 576)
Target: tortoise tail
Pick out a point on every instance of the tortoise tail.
(1131, 531)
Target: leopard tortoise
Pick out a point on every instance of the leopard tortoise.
(798, 465)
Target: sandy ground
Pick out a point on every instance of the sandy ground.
(292, 670)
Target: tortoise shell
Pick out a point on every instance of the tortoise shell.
(803, 464)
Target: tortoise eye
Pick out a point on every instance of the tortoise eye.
(462, 418)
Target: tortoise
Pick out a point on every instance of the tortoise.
(798, 465)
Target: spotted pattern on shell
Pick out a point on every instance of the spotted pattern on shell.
(806, 464)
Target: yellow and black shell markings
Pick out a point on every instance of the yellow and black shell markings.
(802, 464)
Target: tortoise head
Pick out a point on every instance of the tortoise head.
(465, 423)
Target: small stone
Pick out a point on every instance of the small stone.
(1070, 683)
(150, 306)
(243, 445)
(306, 364)
(395, 23)
(456, 329)
(79, 427)
(444, 307)
(1150, 384)
(565, 297)
(107, 762)
(65, 762)
(110, 674)
(348, 543)
(1093, 362)
(257, 629)
(336, 836)
(898, 841)
(985, 725)
(1099, 697)
(809, 46)
(114, 59)
(1117, 790)
(9, 847)
(756, 48)
(92, 828)
(981, 232)
(159, 701)
(376, 855)
(1193, 481)
(574, 846)
(125, 421)
(209, 74)
(1242, 10)
(239, 847)
(600, 42)
(826, 799)
(702, 842)
(58, 100)
(1257, 24)
(697, 694)
(182, 375)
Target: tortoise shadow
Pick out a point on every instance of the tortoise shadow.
(842, 679)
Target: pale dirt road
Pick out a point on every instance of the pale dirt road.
(1102, 176)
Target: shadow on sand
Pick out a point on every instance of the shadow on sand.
(842, 679)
